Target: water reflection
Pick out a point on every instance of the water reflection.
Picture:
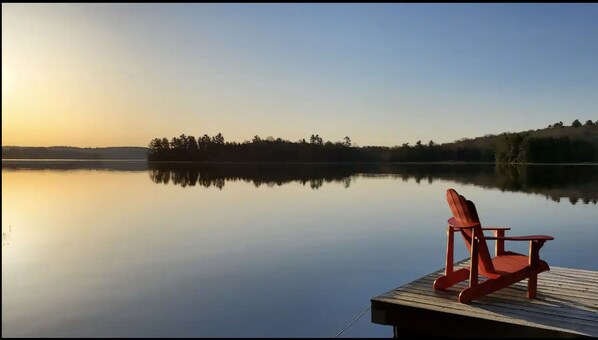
(6, 236)
(207, 175)
(96, 241)
(572, 183)
(576, 183)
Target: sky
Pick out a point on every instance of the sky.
(382, 74)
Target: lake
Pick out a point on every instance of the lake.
(123, 248)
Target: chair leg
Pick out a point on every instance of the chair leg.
(532, 286)
(482, 289)
(446, 281)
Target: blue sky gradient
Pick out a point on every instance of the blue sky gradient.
(383, 74)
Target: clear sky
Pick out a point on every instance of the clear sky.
(383, 74)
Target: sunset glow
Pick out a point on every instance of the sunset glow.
(384, 74)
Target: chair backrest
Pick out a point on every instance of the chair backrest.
(464, 211)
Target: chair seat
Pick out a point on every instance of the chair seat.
(510, 262)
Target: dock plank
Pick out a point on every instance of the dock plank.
(566, 306)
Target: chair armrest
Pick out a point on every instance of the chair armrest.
(522, 238)
(496, 228)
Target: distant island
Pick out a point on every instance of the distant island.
(577, 143)
(555, 144)
(69, 152)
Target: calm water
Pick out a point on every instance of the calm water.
(127, 249)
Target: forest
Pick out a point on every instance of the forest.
(522, 147)
(558, 143)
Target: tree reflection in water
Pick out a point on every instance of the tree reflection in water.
(573, 182)
(577, 184)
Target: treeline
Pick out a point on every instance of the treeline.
(215, 149)
(556, 144)
(576, 123)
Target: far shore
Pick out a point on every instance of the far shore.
(196, 162)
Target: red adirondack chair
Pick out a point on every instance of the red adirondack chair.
(500, 271)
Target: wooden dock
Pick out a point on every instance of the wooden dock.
(566, 306)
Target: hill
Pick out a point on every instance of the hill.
(69, 152)
(588, 133)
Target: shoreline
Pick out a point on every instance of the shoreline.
(241, 163)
